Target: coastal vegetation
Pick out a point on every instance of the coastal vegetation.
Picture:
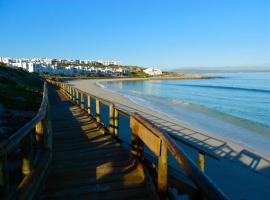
(139, 74)
(20, 97)
(134, 74)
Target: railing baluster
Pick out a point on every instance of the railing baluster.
(97, 110)
(69, 93)
(82, 101)
(116, 126)
(73, 95)
(111, 118)
(40, 133)
(27, 153)
(201, 161)
(89, 104)
(77, 97)
(163, 170)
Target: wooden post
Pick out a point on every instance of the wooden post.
(89, 104)
(163, 170)
(82, 101)
(27, 154)
(111, 118)
(4, 177)
(74, 95)
(116, 114)
(97, 110)
(201, 161)
(77, 97)
(69, 92)
(40, 133)
(67, 89)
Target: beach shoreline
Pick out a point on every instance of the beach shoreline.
(96, 84)
(231, 154)
(180, 76)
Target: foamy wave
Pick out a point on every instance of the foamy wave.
(137, 100)
(100, 85)
(137, 92)
(179, 102)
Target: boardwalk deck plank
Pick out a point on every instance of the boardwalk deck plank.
(88, 164)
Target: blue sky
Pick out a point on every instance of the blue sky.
(165, 34)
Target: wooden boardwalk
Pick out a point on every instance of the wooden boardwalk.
(66, 154)
(88, 164)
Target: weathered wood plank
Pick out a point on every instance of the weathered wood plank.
(97, 188)
(86, 162)
(81, 181)
(127, 193)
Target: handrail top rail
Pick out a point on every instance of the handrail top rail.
(199, 178)
(105, 101)
(9, 144)
(123, 112)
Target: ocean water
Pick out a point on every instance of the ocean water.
(235, 106)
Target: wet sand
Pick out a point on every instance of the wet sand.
(241, 172)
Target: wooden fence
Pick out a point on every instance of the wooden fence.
(147, 139)
(26, 155)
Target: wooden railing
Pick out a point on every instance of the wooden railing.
(26, 155)
(194, 183)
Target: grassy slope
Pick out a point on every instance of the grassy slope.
(135, 74)
(20, 98)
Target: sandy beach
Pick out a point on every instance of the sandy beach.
(241, 172)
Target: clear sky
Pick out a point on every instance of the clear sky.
(161, 33)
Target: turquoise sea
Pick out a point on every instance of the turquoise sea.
(235, 106)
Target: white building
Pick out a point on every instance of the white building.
(123, 71)
(44, 65)
(5, 60)
(152, 71)
(30, 67)
(106, 63)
